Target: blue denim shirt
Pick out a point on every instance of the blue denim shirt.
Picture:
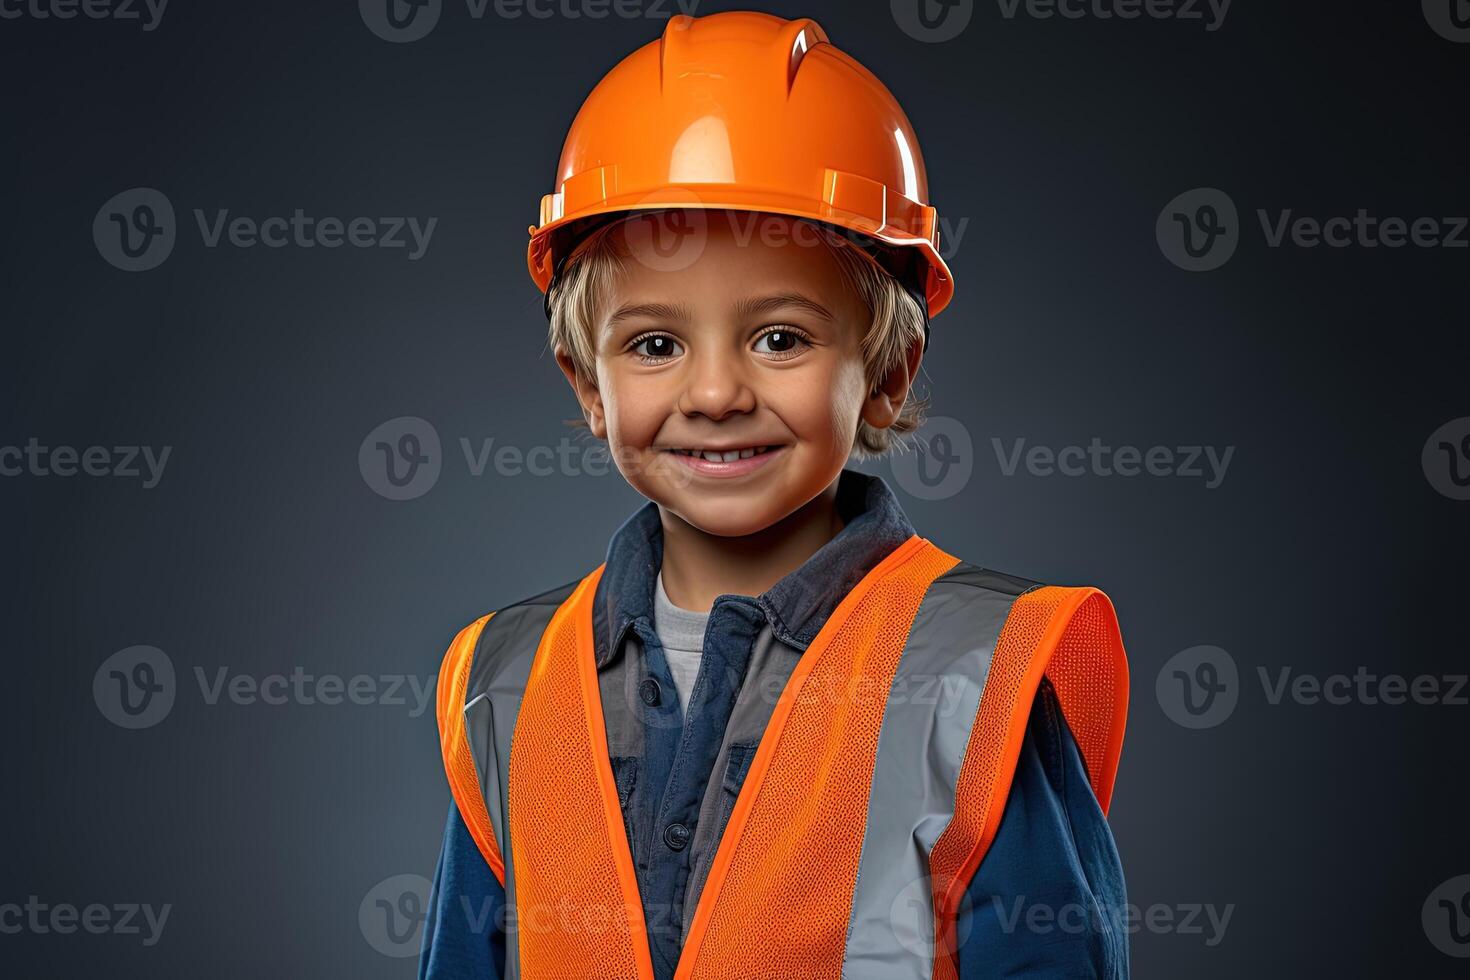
(1053, 848)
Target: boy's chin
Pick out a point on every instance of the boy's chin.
(725, 519)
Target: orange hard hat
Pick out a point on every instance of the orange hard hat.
(750, 112)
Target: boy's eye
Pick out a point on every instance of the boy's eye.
(779, 341)
(656, 345)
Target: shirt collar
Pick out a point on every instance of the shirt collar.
(797, 606)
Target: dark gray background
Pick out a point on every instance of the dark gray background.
(263, 548)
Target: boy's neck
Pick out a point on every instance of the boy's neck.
(698, 566)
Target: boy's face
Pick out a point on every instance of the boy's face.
(754, 344)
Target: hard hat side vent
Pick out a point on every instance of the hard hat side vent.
(680, 23)
(798, 38)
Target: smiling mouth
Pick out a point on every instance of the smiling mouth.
(723, 456)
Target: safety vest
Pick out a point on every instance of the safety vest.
(866, 809)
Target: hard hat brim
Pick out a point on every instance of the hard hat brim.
(541, 256)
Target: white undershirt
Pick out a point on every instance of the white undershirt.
(681, 631)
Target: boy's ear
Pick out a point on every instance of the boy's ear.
(587, 394)
(885, 401)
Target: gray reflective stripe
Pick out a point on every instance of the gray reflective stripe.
(926, 728)
(497, 681)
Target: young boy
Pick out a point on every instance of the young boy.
(776, 733)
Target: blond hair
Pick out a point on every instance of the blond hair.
(585, 284)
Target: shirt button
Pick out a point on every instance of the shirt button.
(649, 692)
(676, 835)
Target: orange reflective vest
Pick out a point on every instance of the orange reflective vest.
(863, 817)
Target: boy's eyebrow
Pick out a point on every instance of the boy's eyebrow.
(745, 309)
(654, 311)
(769, 304)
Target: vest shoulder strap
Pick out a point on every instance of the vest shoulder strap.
(1069, 636)
(459, 760)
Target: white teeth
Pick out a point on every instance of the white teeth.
(715, 456)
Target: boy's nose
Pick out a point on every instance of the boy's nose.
(715, 388)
